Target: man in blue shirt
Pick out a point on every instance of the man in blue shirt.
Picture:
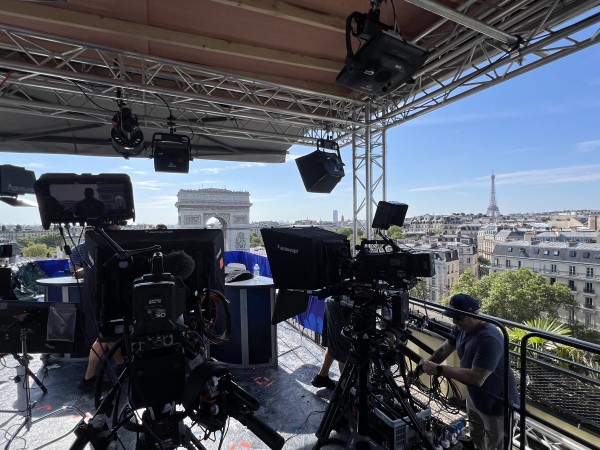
(480, 347)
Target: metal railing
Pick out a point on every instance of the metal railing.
(567, 389)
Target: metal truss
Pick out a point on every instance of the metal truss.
(539, 436)
(78, 81)
(368, 159)
(466, 62)
(46, 75)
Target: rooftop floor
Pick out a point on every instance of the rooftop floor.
(289, 403)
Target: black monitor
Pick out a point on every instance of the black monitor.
(93, 199)
(306, 258)
(110, 281)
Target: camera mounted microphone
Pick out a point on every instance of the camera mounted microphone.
(179, 264)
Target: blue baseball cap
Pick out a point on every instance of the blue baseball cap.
(462, 302)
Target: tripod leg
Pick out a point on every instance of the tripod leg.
(338, 406)
(37, 381)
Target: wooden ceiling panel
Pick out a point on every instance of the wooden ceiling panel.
(215, 20)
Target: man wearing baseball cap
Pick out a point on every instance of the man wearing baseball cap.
(480, 348)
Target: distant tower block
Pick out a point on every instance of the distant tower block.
(493, 210)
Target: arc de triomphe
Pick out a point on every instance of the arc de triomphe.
(195, 207)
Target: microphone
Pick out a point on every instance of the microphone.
(179, 263)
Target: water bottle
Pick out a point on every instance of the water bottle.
(256, 272)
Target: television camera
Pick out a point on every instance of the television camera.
(319, 261)
(159, 309)
(373, 287)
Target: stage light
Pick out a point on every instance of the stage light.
(384, 62)
(171, 152)
(15, 181)
(321, 171)
(126, 137)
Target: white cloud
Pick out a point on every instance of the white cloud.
(573, 174)
(152, 185)
(165, 201)
(237, 166)
(463, 118)
(588, 146)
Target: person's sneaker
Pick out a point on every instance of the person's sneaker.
(320, 381)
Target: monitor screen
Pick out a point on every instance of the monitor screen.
(91, 199)
(110, 281)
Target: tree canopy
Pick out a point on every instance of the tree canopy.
(395, 232)
(517, 296)
(36, 251)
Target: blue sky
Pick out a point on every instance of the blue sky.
(539, 134)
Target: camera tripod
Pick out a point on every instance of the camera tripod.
(366, 383)
(24, 404)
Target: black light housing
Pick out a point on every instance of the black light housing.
(126, 136)
(321, 170)
(16, 181)
(383, 63)
(171, 152)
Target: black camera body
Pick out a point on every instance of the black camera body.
(397, 268)
(154, 307)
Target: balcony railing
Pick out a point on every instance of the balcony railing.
(563, 387)
(555, 273)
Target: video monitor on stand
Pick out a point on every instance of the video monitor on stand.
(65, 198)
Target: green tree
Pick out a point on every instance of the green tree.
(25, 242)
(516, 335)
(3, 227)
(51, 240)
(346, 231)
(395, 232)
(517, 296)
(483, 261)
(18, 228)
(421, 290)
(538, 347)
(36, 251)
(584, 333)
(255, 240)
(466, 284)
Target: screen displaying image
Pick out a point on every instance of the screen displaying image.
(64, 198)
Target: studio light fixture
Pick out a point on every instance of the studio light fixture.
(384, 62)
(126, 136)
(322, 169)
(171, 152)
(14, 182)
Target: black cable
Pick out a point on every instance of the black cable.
(165, 102)
(210, 305)
(88, 98)
(297, 431)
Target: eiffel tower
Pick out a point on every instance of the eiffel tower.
(492, 211)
